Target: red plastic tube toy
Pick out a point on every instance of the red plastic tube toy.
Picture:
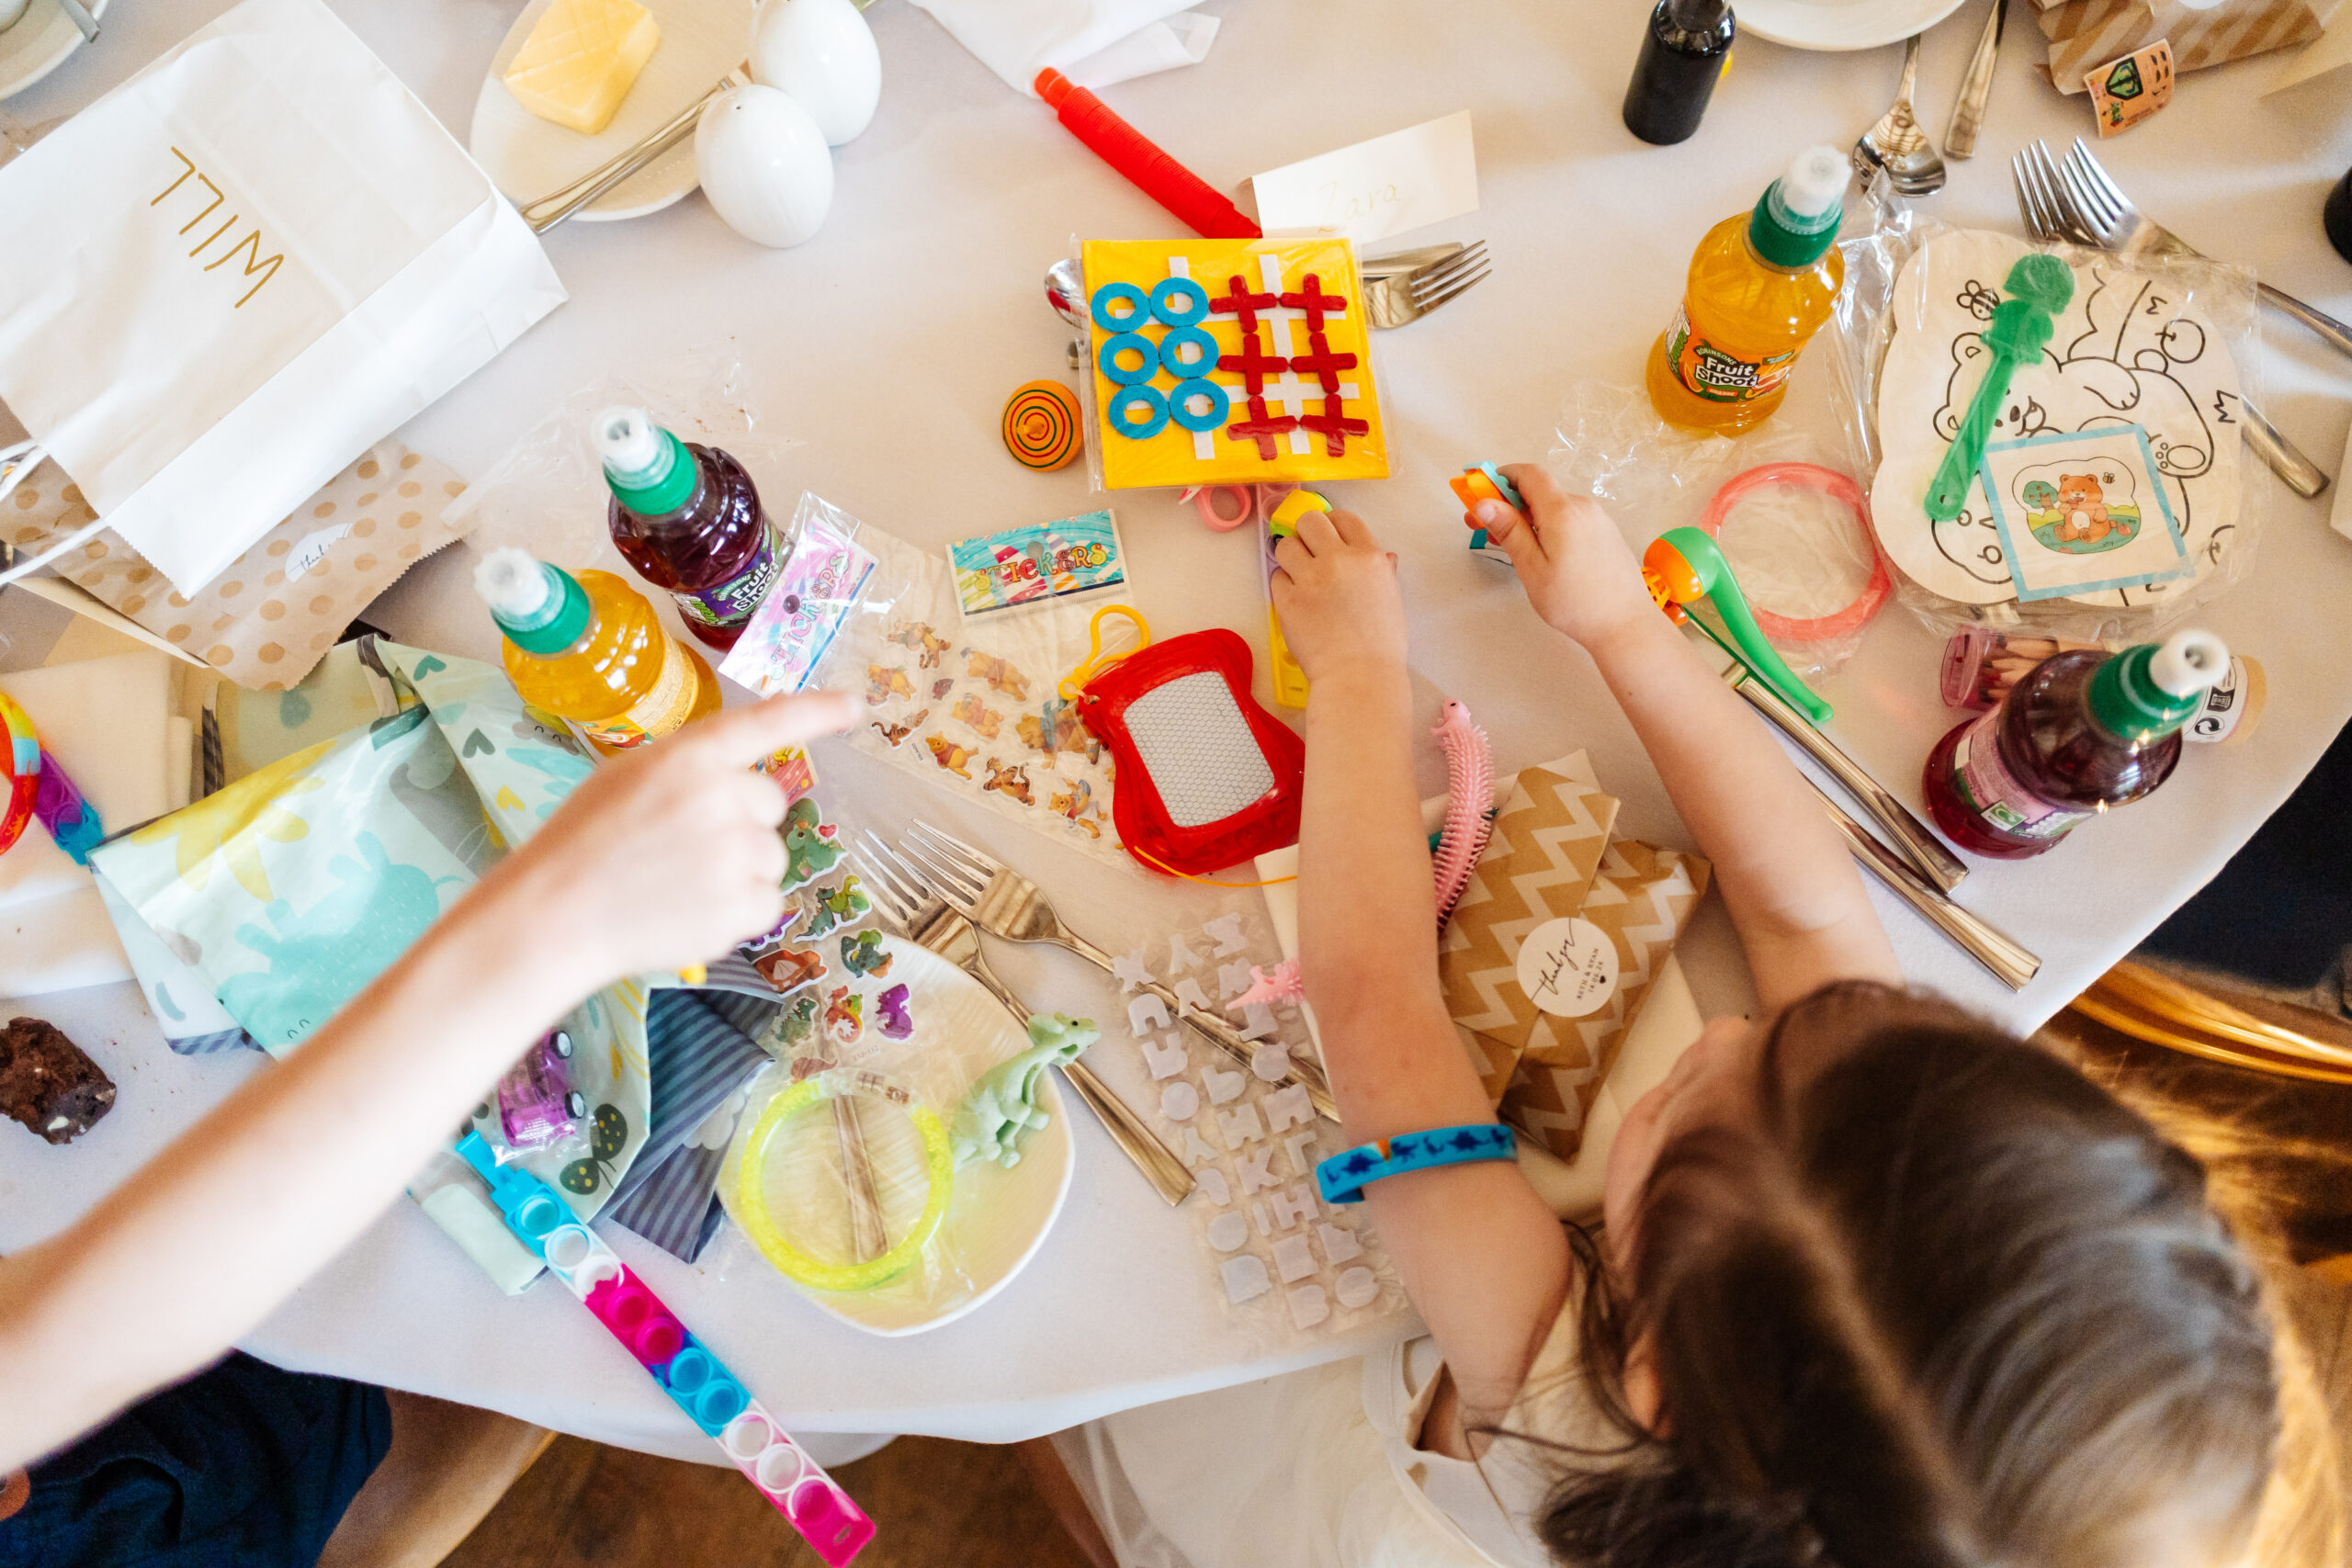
(1139, 158)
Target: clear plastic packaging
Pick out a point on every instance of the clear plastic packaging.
(1781, 500)
(2167, 342)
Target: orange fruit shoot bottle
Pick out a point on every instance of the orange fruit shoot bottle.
(1761, 284)
(588, 647)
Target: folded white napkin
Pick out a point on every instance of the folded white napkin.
(1092, 42)
(108, 723)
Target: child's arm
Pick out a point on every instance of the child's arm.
(1483, 1259)
(1793, 893)
(660, 859)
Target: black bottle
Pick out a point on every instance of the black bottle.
(2337, 217)
(1684, 51)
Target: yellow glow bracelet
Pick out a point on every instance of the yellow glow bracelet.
(751, 1210)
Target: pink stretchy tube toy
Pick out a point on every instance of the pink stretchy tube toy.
(1469, 805)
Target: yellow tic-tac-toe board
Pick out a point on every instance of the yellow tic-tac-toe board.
(1231, 361)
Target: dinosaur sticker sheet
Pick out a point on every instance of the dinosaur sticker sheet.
(1230, 360)
(2142, 344)
(292, 888)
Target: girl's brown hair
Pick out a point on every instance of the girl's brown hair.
(1951, 1304)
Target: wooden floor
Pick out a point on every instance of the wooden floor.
(938, 1503)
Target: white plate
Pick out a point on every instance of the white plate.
(527, 158)
(1835, 25)
(996, 1218)
(39, 43)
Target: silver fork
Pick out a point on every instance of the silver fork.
(2120, 226)
(1394, 301)
(2046, 204)
(923, 918)
(552, 209)
(1005, 904)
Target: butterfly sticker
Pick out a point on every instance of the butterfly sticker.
(606, 1138)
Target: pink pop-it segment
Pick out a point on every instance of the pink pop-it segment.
(637, 1318)
(831, 1523)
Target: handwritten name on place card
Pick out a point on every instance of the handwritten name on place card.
(1406, 179)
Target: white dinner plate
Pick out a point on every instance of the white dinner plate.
(1833, 25)
(996, 1218)
(39, 42)
(527, 157)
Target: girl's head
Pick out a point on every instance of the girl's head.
(1890, 1288)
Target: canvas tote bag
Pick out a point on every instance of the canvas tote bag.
(231, 276)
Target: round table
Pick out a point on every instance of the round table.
(886, 347)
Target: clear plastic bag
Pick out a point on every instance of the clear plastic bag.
(2167, 342)
(1776, 500)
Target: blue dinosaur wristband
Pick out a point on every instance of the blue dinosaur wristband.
(1343, 1177)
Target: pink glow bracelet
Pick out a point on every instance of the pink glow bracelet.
(695, 1381)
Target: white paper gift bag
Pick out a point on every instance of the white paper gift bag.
(230, 275)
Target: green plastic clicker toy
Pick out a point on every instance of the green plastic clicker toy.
(1683, 566)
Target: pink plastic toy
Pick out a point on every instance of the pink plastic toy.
(1469, 805)
(1281, 983)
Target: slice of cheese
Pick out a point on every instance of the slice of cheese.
(581, 61)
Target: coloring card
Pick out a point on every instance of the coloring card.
(2134, 349)
(2082, 511)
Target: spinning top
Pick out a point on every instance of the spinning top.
(1041, 425)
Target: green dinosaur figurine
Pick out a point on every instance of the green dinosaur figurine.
(1001, 1104)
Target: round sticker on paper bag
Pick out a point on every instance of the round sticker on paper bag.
(1568, 967)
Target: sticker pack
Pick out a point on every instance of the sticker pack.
(1231, 360)
(2081, 511)
(815, 591)
(1031, 564)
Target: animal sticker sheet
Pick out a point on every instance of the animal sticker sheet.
(2082, 510)
(2132, 351)
(1230, 361)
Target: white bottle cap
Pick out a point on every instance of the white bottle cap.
(511, 583)
(2188, 662)
(628, 442)
(1815, 182)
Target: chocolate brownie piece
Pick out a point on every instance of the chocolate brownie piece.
(48, 1084)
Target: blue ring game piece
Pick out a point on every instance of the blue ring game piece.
(1114, 291)
(1220, 401)
(1161, 310)
(1115, 415)
(1185, 369)
(1107, 357)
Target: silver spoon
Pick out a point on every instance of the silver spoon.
(1066, 292)
(1897, 144)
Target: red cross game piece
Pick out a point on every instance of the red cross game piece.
(1335, 429)
(1252, 365)
(1323, 364)
(1311, 298)
(1262, 428)
(1241, 305)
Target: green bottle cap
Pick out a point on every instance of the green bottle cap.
(647, 466)
(541, 608)
(2146, 692)
(1796, 219)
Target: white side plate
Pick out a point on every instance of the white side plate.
(39, 43)
(1834, 25)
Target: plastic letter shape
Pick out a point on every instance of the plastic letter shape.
(1232, 979)
(1188, 992)
(1226, 930)
(1166, 1058)
(1225, 1088)
(1180, 955)
(1146, 1013)
(1294, 1260)
(1251, 1169)
(1260, 1022)
(1300, 1146)
(1196, 1152)
(1130, 970)
(1309, 1305)
(1179, 1102)
(1271, 1063)
(1289, 1107)
(1358, 1287)
(1228, 1230)
(1295, 1206)
(1244, 1278)
(1238, 1125)
(1340, 1244)
(1213, 1186)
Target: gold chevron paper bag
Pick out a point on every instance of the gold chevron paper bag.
(1640, 901)
(1547, 846)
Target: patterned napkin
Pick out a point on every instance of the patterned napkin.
(2085, 34)
(1601, 916)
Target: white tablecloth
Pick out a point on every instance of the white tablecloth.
(887, 346)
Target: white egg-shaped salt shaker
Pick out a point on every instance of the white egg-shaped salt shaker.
(765, 165)
(822, 54)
